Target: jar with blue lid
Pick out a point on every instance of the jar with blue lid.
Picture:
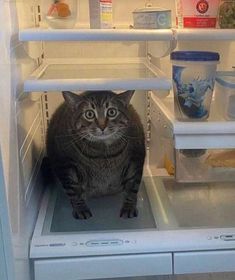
(193, 74)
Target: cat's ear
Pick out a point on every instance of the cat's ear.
(71, 99)
(125, 96)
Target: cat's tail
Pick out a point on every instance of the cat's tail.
(48, 176)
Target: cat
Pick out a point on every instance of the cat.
(96, 147)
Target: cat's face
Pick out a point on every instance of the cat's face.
(100, 116)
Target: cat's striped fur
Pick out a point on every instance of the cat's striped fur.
(96, 146)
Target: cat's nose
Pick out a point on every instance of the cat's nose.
(102, 125)
(102, 128)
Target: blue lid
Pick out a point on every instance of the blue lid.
(226, 78)
(195, 56)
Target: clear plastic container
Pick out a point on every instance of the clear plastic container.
(152, 18)
(211, 165)
(227, 14)
(193, 76)
(225, 94)
(60, 13)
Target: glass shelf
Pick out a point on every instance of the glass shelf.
(202, 205)
(60, 220)
(106, 76)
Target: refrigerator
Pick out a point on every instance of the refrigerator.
(186, 226)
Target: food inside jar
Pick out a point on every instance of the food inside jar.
(227, 15)
(59, 9)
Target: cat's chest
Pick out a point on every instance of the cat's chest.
(105, 179)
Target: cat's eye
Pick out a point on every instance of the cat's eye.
(112, 112)
(89, 114)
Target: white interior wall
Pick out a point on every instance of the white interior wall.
(17, 117)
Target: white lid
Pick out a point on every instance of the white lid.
(151, 9)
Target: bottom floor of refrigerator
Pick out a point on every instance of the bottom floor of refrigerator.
(180, 229)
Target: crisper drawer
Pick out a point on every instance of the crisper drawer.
(204, 262)
(103, 267)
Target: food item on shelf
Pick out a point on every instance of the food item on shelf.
(193, 82)
(169, 166)
(224, 158)
(196, 13)
(152, 18)
(101, 14)
(59, 9)
(60, 13)
(193, 153)
(227, 14)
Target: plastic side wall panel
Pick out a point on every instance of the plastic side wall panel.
(6, 254)
(3, 269)
(104, 267)
(203, 262)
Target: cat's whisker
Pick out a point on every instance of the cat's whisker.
(69, 145)
(67, 135)
(73, 140)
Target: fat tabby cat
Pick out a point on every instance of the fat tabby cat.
(96, 147)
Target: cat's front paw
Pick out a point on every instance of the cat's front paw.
(128, 212)
(83, 213)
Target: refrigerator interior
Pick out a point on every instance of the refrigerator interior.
(31, 101)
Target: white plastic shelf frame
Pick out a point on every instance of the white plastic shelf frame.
(118, 75)
(214, 133)
(201, 34)
(40, 34)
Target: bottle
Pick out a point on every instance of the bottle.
(100, 14)
(196, 13)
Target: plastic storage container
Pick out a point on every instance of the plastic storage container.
(152, 18)
(193, 76)
(225, 94)
(196, 13)
(60, 13)
(211, 166)
(227, 14)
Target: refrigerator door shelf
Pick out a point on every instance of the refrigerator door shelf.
(120, 75)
